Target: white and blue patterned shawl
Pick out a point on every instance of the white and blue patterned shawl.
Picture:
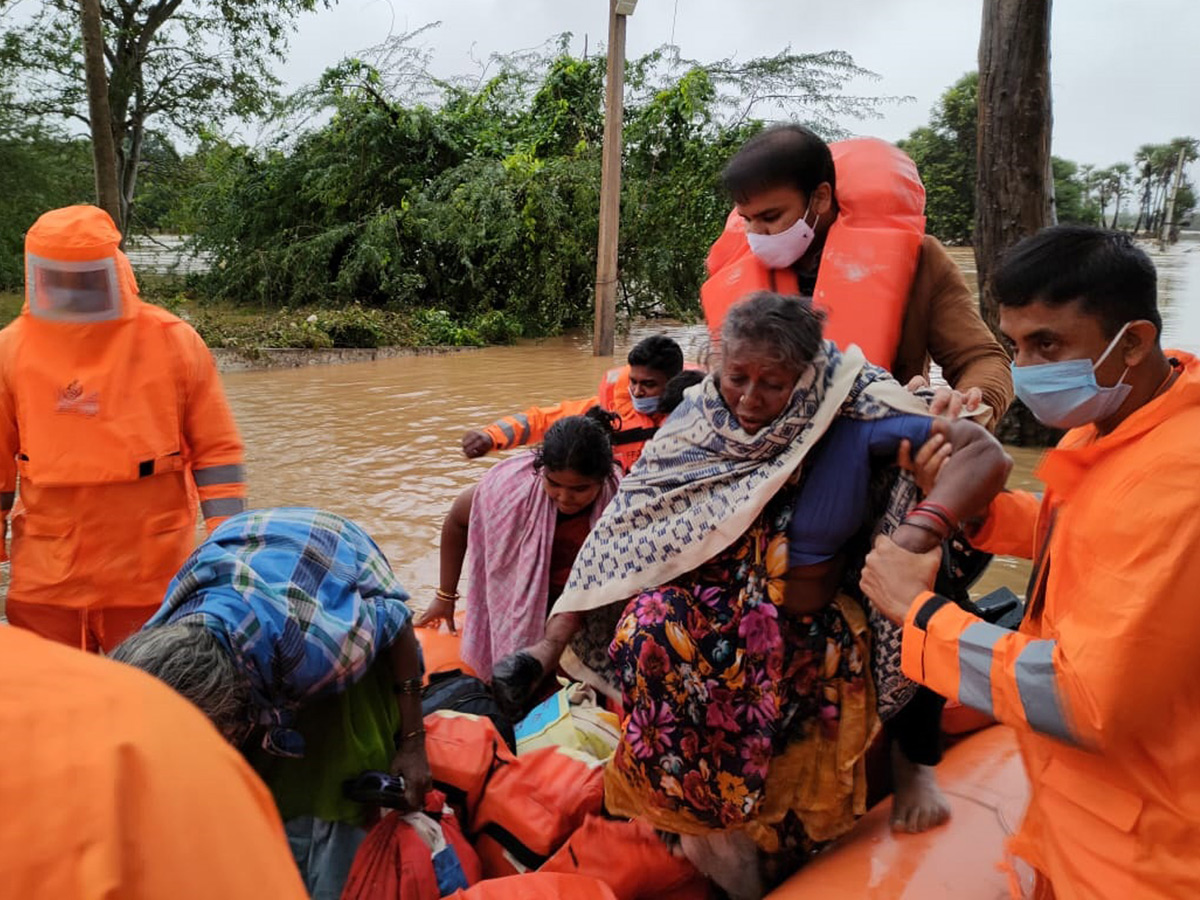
(702, 481)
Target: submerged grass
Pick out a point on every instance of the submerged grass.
(316, 328)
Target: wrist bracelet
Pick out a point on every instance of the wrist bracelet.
(408, 686)
(448, 596)
(927, 519)
(416, 732)
(940, 511)
(929, 528)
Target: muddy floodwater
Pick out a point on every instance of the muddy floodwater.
(379, 441)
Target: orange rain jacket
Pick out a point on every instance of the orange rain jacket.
(1102, 682)
(116, 429)
(114, 786)
(531, 426)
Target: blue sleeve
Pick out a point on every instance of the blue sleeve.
(885, 435)
(833, 498)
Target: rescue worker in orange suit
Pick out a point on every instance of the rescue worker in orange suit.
(114, 420)
(631, 391)
(1101, 680)
(844, 225)
(113, 785)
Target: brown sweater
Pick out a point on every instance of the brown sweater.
(942, 321)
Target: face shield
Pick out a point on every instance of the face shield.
(85, 291)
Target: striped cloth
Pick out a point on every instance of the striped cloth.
(304, 600)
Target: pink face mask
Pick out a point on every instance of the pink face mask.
(778, 251)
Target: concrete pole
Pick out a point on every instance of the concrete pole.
(604, 333)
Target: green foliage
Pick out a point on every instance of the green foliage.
(41, 169)
(945, 156)
(1072, 202)
(169, 63)
(475, 205)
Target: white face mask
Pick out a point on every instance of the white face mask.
(778, 251)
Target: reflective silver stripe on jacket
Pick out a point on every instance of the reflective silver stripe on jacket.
(221, 507)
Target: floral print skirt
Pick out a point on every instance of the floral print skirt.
(737, 715)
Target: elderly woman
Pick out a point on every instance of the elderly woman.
(288, 625)
(741, 664)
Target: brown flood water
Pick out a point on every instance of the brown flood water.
(379, 441)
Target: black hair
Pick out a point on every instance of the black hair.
(1112, 278)
(657, 352)
(672, 394)
(787, 327)
(581, 444)
(784, 155)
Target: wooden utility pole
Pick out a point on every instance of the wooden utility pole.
(104, 148)
(604, 334)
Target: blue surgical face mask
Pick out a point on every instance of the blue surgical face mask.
(647, 406)
(1065, 394)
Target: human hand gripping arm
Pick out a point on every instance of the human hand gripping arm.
(961, 468)
(1114, 669)
(452, 552)
(410, 760)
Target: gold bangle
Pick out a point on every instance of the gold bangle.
(416, 732)
(448, 596)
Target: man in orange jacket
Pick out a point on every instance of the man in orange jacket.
(1101, 680)
(630, 391)
(112, 785)
(114, 419)
(843, 224)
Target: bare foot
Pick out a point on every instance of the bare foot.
(918, 804)
(730, 859)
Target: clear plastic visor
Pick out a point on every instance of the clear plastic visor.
(73, 291)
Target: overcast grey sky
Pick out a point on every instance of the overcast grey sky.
(1124, 72)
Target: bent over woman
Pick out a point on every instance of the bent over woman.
(523, 524)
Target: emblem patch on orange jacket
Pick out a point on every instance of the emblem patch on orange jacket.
(72, 399)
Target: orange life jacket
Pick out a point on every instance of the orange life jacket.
(538, 886)
(463, 751)
(630, 857)
(867, 264)
(532, 805)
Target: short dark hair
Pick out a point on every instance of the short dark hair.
(657, 352)
(1112, 278)
(784, 155)
(788, 328)
(672, 394)
(582, 444)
